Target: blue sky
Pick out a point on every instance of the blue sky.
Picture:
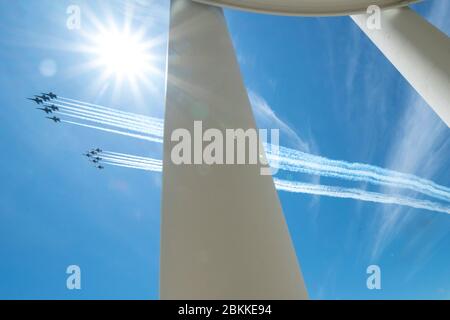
(320, 80)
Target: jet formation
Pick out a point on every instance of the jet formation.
(44, 99)
(94, 156)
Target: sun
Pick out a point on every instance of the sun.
(121, 54)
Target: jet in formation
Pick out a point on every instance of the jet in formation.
(37, 100)
(53, 107)
(43, 97)
(51, 95)
(55, 119)
(47, 110)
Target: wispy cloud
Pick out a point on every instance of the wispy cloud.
(268, 119)
(421, 146)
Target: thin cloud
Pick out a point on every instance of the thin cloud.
(268, 119)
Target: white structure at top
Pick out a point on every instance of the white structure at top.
(307, 7)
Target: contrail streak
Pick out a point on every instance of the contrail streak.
(357, 194)
(148, 138)
(133, 162)
(149, 161)
(112, 111)
(110, 153)
(128, 134)
(154, 129)
(322, 190)
(135, 167)
(103, 120)
(297, 161)
(153, 164)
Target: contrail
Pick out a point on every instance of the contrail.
(139, 136)
(156, 125)
(135, 167)
(287, 159)
(153, 128)
(155, 168)
(104, 109)
(152, 164)
(132, 162)
(297, 161)
(306, 188)
(357, 194)
(143, 160)
(130, 159)
(128, 134)
(124, 155)
(103, 120)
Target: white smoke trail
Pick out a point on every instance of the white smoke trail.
(152, 128)
(306, 188)
(152, 169)
(110, 153)
(137, 165)
(155, 125)
(139, 136)
(297, 161)
(357, 194)
(148, 161)
(358, 168)
(129, 115)
(134, 162)
(117, 123)
(128, 134)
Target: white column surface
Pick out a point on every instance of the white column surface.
(223, 233)
(419, 51)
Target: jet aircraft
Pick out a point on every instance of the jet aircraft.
(55, 119)
(47, 110)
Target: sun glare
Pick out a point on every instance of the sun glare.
(125, 58)
(122, 54)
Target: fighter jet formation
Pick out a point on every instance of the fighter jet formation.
(42, 99)
(49, 106)
(94, 157)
